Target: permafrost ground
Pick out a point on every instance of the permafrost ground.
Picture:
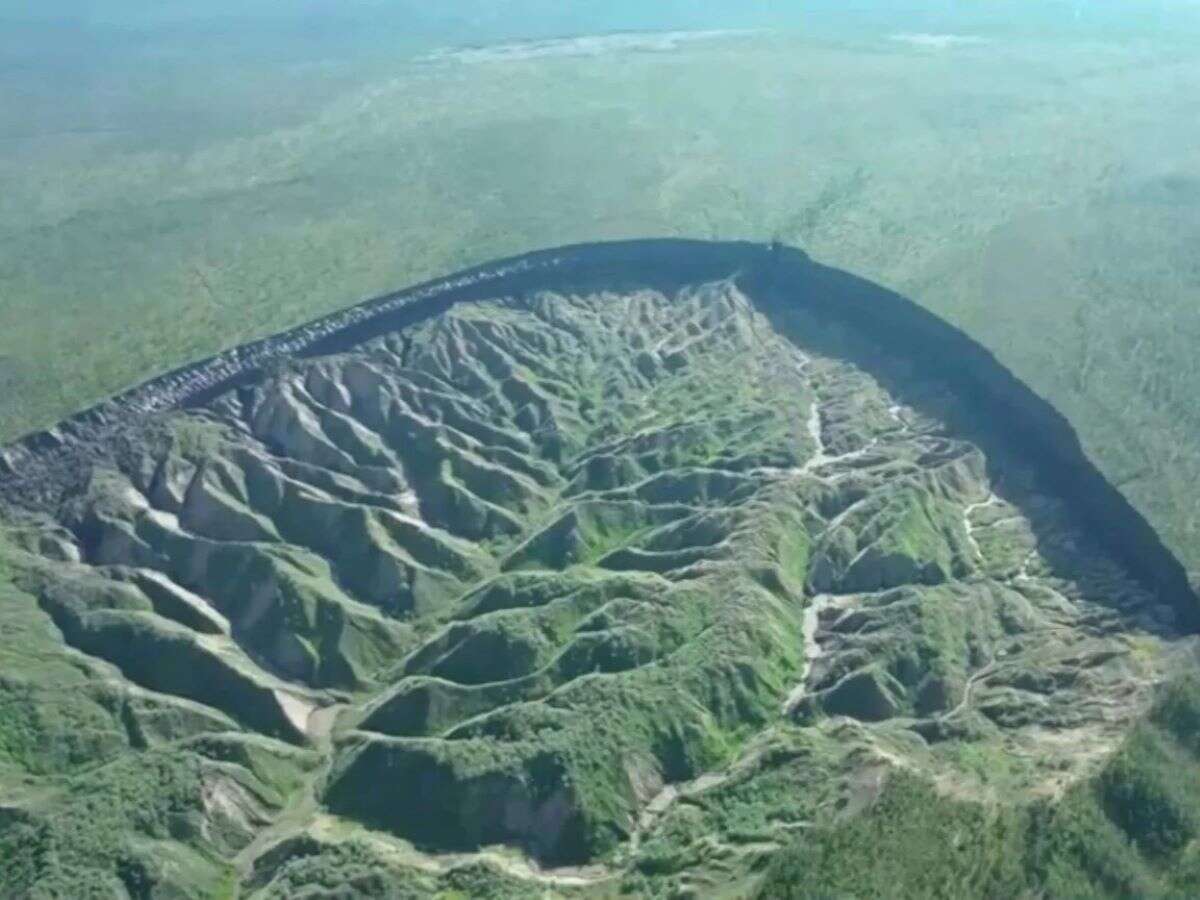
(572, 591)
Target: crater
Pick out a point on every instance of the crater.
(562, 538)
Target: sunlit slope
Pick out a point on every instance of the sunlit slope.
(621, 586)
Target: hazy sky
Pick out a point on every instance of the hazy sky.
(482, 18)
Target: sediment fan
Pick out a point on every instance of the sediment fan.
(575, 552)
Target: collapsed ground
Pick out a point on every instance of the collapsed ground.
(600, 592)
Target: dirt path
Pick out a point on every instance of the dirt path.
(970, 526)
(974, 679)
(303, 807)
(812, 649)
(670, 794)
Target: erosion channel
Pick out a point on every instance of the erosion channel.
(608, 568)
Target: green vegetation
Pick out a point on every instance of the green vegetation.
(431, 609)
(108, 790)
(592, 670)
(354, 867)
(1128, 831)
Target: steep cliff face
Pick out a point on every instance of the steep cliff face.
(996, 409)
(36, 468)
(638, 558)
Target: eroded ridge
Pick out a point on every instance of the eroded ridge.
(548, 570)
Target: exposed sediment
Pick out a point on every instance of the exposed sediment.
(36, 470)
(590, 553)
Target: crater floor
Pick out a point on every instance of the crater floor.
(595, 591)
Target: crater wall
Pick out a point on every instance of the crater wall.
(38, 471)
